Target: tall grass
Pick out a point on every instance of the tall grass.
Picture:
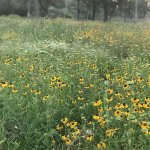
(74, 85)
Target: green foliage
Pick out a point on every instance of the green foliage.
(74, 85)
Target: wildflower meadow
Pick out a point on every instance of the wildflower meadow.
(74, 85)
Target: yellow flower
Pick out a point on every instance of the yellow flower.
(64, 138)
(147, 132)
(101, 145)
(96, 117)
(140, 79)
(97, 103)
(109, 133)
(91, 85)
(125, 86)
(4, 84)
(11, 85)
(127, 113)
(109, 91)
(135, 100)
(64, 121)
(80, 91)
(26, 85)
(80, 98)
(81, 80)
(73, 124)
(18, 59)
(117, 94)
(117, 113)
(38, 92)
(31, 67)
(108, 76)
(14, 90)
(58, 127)
(68, 142)
(33, 91)
(94, 66)
(53, 78)
(144, 125)
(89, 138)
(100, 109)
(110, 99)
(22, 76)
(124, 105)
(45, 98)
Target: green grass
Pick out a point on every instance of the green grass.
(74, 85)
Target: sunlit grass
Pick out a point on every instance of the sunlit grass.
(74, 85)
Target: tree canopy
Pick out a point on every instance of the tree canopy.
(80, 9)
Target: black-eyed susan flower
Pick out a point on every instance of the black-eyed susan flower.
(38, 92)
(89, 138)
(26, 85)
(124, 105)
(81, 80)
(101, 145)
(100, 109)
(108, 76)
(64, 120)
(91, 85)
(127, 113)
(109, 108)
(73, 124)
(109, 133)
(4, 84)
(147, 132)
(125, 86)
(144, 125)
(80, 91)
(140, 79)
(94, 66)
(68, 141)
(53, 79)
(14, 90)
(135, 100)
(45, 98)
(117, 113)
(11, 85)
(64, 137)
(31, 67)
(80, 98)
(97, 103)
(109, 91)
(109, 99)
(22, 76)
(59, 127)
(117, 94)
(96, 117)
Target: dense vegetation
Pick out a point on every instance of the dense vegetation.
(74, 85)
(79, 9)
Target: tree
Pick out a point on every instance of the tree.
(136, 11)
(78, 9)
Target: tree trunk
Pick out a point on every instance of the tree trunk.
(136, 11)
(78, 9)
(94, 10)
(44, 8)
(29, 9)
(105, 7)
(66, 4)
(37, 8)
(125, 9)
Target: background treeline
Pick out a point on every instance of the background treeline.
(79, 9)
